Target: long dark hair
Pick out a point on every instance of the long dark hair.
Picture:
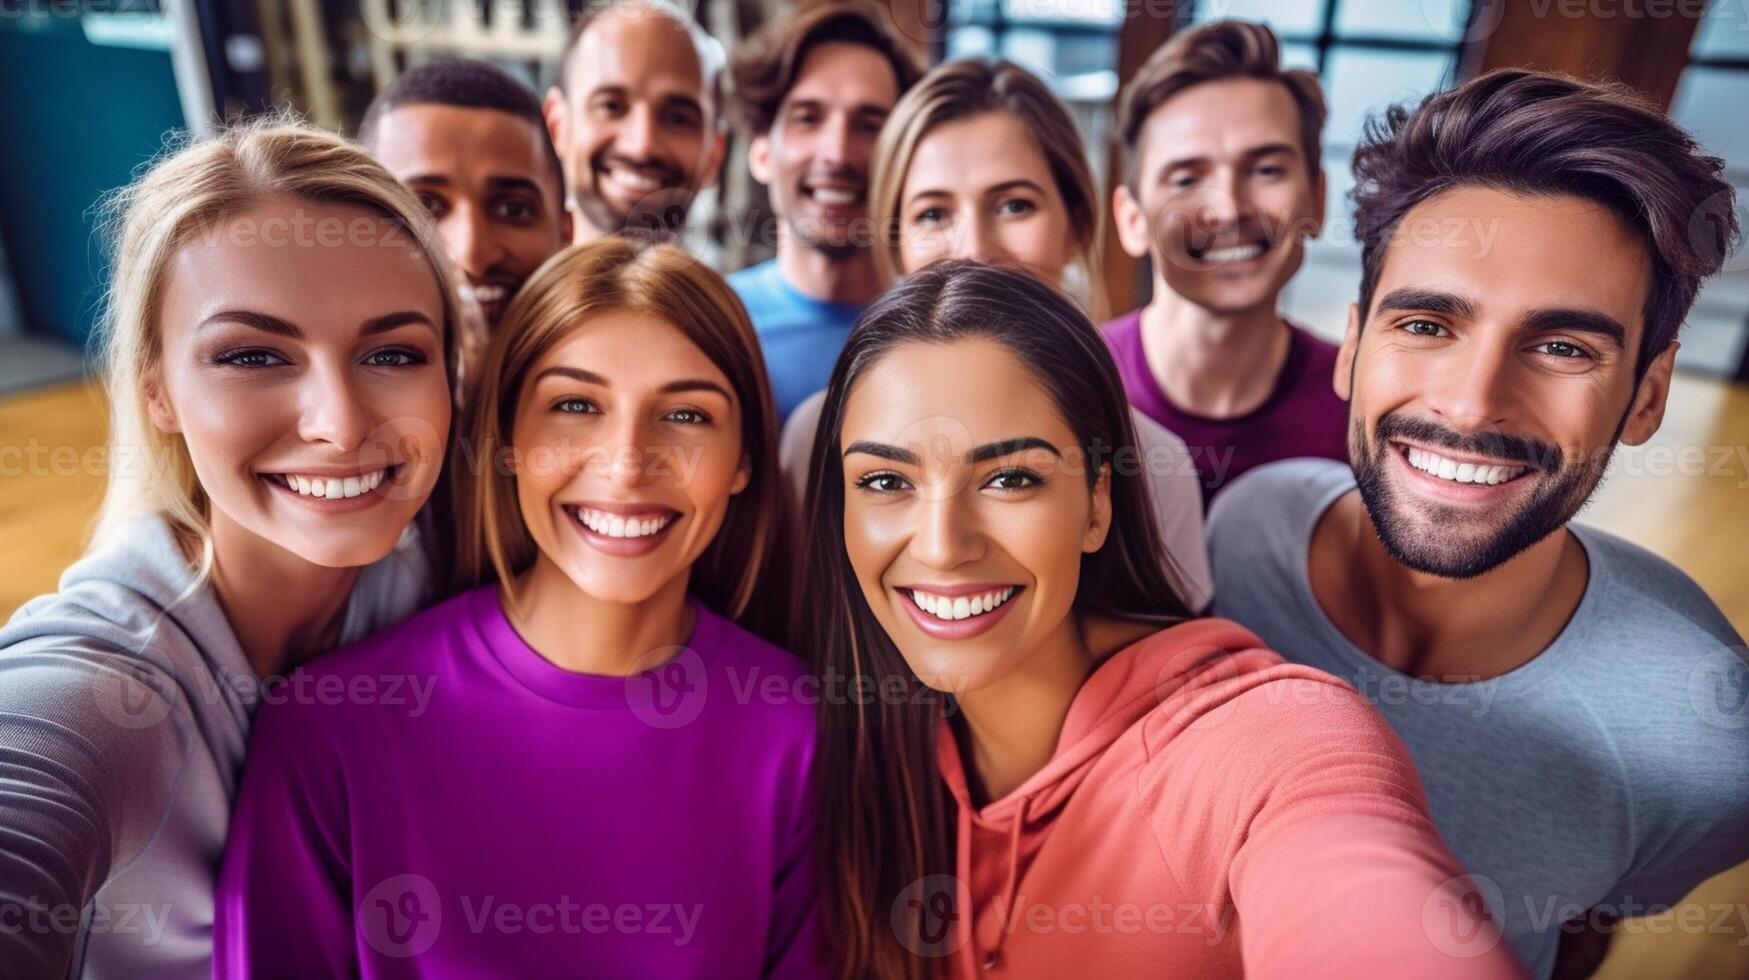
(885, 815)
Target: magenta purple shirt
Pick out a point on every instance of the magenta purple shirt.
(1301, 416)
(440, 800)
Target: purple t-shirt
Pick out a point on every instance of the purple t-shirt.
(1301, 417)
(440, 800)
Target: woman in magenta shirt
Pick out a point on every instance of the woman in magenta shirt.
(589, 765)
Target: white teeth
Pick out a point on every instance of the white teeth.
(1447, 469)
(960, 607)
(834, 198)
(333, 488)
(633, 180)
(1238, 253)
(618, 525)
(482, 294)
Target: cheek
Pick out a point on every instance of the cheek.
(225, 425)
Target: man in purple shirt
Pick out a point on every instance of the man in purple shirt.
(1222, 187)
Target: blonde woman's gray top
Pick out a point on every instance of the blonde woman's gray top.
(125, 705)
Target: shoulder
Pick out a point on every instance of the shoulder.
(754, 284)
(413, 642)
(1320, 351)
(1122, 332)
(1655, 592)
(760, 676)
(1278, 491)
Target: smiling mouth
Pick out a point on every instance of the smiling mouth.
(334, 487)
(835, 197)
(485, 294)
(632, 181)
(950, 609)
(1228, 254)
(1454, 471)
(620, 525)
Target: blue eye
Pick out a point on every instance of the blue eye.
(883, 482)
(688, 416)
(575, 406)
(394, 357)
(250, 357)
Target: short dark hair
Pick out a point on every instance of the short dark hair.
(465, 84)
(1216, 52)
(766, 66)
(1533, 132)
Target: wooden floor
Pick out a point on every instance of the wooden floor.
(1684, 496)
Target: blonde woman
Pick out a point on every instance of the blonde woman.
(610, 760)
(980, 161)
(277, 349)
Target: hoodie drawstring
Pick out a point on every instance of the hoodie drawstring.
(993, 957)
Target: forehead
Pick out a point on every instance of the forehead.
(969, 155)
(1221, 120)
(266, 258)
(844, 73)
(1509, 253)
(419, 140)
(645, 52)
(632, 348)
(952, 396)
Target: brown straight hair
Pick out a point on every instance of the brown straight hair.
(766, 66)
(1533, 132)
(1216, 52)
(581, 283)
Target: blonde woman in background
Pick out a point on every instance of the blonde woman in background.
(980, 161)
(278, 351)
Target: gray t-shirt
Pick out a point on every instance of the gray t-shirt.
(125, 705)
(1611, 771)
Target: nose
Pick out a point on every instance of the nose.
(947, 534)
(331, 409)
(468, 240)
(977, 239)
(636, 136)
(1223, 201)
(1474, 389)
(628, 455)
(834, 146)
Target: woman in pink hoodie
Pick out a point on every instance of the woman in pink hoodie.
(1035, 764)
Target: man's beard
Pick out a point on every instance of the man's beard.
(659, 215)
(1430, 537)
(807, 232)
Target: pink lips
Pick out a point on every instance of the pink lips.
(622, 547)
(958, 629)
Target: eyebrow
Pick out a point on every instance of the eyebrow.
(1410, 298)
(1252, 153)
(512, 182)
(267, 323)
(672, 387)
(984, 453)
(1007, 185)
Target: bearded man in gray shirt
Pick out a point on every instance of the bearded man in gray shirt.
(1531, 244)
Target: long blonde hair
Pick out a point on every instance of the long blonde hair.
(192, 190)
(970, 87)
(736, 576)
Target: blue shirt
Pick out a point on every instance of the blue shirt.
(800, 336)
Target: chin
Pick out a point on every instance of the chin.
(336, 554)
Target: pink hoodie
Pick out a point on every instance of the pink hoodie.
(1212, 811)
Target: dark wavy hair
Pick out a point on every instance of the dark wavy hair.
(885, 815)
(766, 66)
(1533, 132)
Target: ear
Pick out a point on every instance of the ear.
(552, 109)
(1099, 521)
(1650, 397)
(159, 410)
(759, 158)
(714, 161)
(1319, 198)
(1131, 222)
(743, 475)
(1343, 379)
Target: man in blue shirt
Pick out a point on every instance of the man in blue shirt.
(811, 92)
